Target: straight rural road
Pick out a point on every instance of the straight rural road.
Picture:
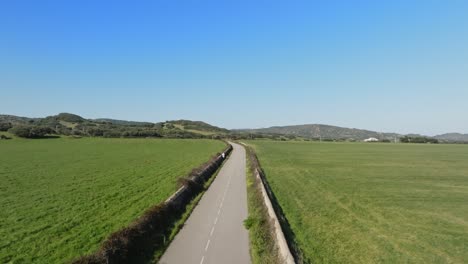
(214, 232)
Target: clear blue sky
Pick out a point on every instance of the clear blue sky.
(398, 66)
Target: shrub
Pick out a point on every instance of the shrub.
(249, 222)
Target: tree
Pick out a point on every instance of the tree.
(62, 130)
(70, 118)
(112, 134)
(95, 132)
(39, 132)
(20, 131)
(27, 131)
(408, 139)
(4, 126)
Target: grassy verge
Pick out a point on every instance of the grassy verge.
(262, 239)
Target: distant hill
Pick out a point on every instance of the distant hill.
(198, 126)
(454, 137)
(318, 131)
(121, 122)
(74, 125)
(16, 119)
(66, 117)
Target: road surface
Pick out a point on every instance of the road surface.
(214, 232)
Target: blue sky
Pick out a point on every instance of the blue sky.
(394, 66)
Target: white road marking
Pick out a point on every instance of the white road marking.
(216, 220)
(234, 175)
(207, 245)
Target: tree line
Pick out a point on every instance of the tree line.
(420, 139)
(83, 129)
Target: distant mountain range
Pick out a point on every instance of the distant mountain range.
(319, 131)
(457, 137)
(66, 123)
(71, 124)
(121, 122)
(72, 118)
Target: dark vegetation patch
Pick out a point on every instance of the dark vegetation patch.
(30, 131)
(4, 126)
(418, 139)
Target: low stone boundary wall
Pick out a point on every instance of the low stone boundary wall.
(268, 197)
(197, 176)
(137, 242)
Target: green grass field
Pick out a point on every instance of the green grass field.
(371, 203)
(59, 198)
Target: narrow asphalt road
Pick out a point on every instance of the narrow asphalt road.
(214, 232)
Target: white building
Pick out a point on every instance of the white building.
(371, 140)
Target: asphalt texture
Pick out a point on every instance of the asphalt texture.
(214, 232)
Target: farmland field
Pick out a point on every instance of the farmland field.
(59, 198)
(369, 203)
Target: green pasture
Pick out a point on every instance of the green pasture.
(372, 203)
(59, 198)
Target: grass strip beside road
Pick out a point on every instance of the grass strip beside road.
(263, 249)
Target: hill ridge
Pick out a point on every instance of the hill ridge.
(69, 123)
(324, 131)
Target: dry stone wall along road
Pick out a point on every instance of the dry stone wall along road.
(214, 232)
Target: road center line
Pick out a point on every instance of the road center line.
(216, 220)
(207, 244)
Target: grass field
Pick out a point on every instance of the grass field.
(59, 198)
(370, 203)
